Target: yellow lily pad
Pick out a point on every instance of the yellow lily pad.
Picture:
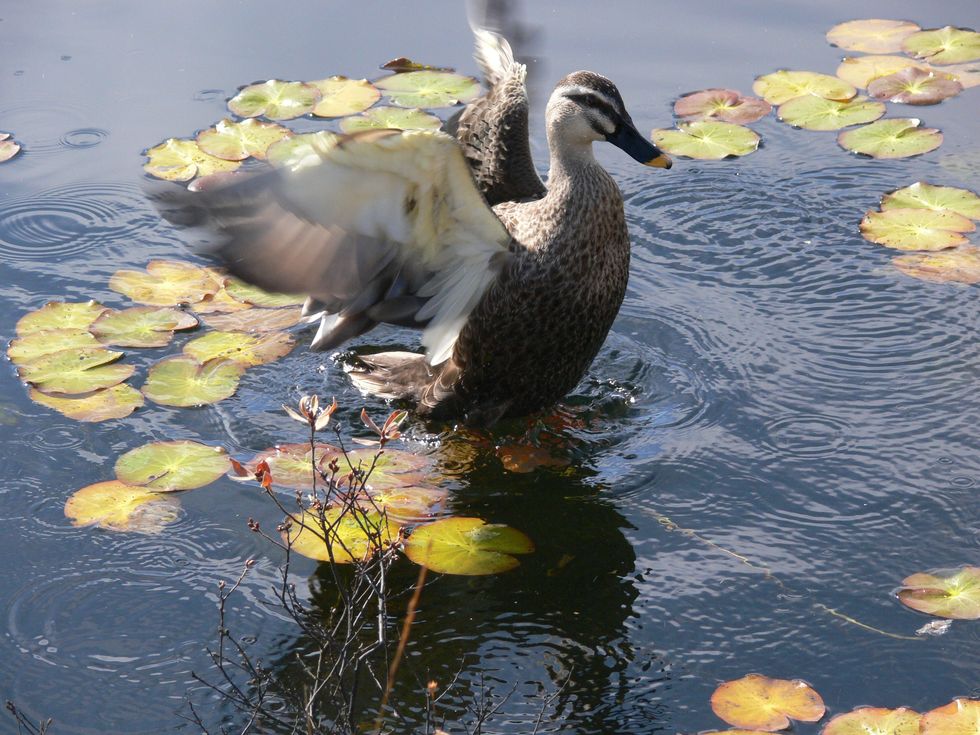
(59, 315)
(959, 717)
(725, 105)
(173, 465)
(76, 371)
(876, 721)
(960, 265)
(914, 87)
(953, 594)
(290, 151)
(291, 465)
(891, 138)
(237, 141)
(816, 113)
(165, 283)
(255, 320)
(871, 35)
(249, 294)
(241, 347)
(783, 85)
(407, 504)
(707, 140)
(862, 70)
(394, 118)
(177, 159)
(275, 99)
(392, 468)
(756, 702)
(183, 381)
(528, 457)
(946, 45)
(116, 506)
(340, 96)
(352, 535)
(110, 403)
(38, 344)
(141, 326)
(916, 229)
(429, 89)
(921, 195)
(467, 546)
(219, 303)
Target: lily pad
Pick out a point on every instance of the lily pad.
(891, 138)
(871, 35)
(707, 140)
(241, 347)
(119, 507)
(960, 265)
(429, 89)
(783, 85)
(177, 159)
(249, 294)
(182, 381)
(396, 118)
(959, 717)
(816, 113)
(275, 99)
(76, 371)
(353, 535)
(255, 320)
(340, 96)
(8, 148)
(141, 326)
(914, 87)
(862, 70)
(916, 229)
(237, 141)
(219, 303)
(407, 504)
(291, 464)
(876, 720)
(165, 283)
(59, 315)
(111, 403)
(528, 458)
(37, 344)
(402, 64)
(467, 546)
(173, 465)
(927, 196)
(392, 468)
(290, 151)
(726, 105)
(968, 75)
(944, 45)
(757, 702)
(951, 594)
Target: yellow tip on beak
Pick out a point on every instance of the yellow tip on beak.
(661, 161)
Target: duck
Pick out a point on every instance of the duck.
(514, 283)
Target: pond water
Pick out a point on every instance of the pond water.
(782, 423)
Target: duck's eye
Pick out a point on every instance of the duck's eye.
(595, 102)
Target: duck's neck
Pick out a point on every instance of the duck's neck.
(571, 161)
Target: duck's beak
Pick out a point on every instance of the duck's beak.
(628, 138)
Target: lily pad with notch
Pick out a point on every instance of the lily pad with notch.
(340, 96)
(395, 118)
(59, 315)
(172, 465)
(959, 265)
(726, 105)
(76, 371)
(959, 717)
(951, 593)
(408, 504)
(177, 159)
(275, 99)
(914, 86)
(757, 702)
(877, 720)
(784, 85)
(891, 138)
(947, 45)
(165, 283)
(862, 70)
(183, 381)
(352, 535)
(236, 141)
(872, 35)
(30, 347)
(916, 229)
(467, 546)
(141, 326)
(292, 465)
(429, 89)
(707, 140)
(254, 320)
(115, 506)
(921, 195)
(391, 468)
(241, 347)
(816, 113)
(115, 402)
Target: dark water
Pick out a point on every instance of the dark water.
(803, 413)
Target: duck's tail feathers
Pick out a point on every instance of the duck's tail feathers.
(495, 57)
(394, 375)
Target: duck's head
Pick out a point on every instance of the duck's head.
(586, 107)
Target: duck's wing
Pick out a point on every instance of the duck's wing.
(383, 226)
(493, 130)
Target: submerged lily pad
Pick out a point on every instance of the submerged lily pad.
(816, 113)
(111, 403)
(141, 326)
(959, 717)
(275, 99)
(80, 370)
(353, 535)
(340, 96)
(119, 507)
(237, 141)
(916, 229)
(528, 457)
(165, 283)
(707, 140)
(726, 105)
(291, 465)
(241, 347)
(926, 196)
(891, 138)
(59, 315)
(783, 85)
(960, 265)
(944, 45)
(395, 118)
(290, 151)
(862, 70)
(182, 381)
(756, 702)
(181, 160)
(914, 87)
(467, 546)
(255, 320)
(249, 294)
(876, 720)
(951, 594)
(37, 344)
(8, 148)
(173, 465)
(429, 89)
(872, 35)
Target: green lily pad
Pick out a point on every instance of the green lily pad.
(275, 99)
(944, 45)
(891, 138)
(862, 70)
(953, 594)
(467, 546)
(241, 347)
(8, 148)
(429, 89)
(392, 468)
(340, 96)
(174, 465)
(116, 506)
(249, 294)
(255, 320)
(916, 229)
(111, 403)
(756, 702)
(876, 720)
(290, 151)
(37, 344)
(726, 105)
(707, 140)
(182, 381)
(959, 717)
(960, 265)
(396, 118)
(783, 85)
(353, 535)
(921, 195)
(80, 370)
(914, 87)
(816, 113)
(141, 326)
(181, 160)
(59, 315)
(409, 504)
(871, 35)
(291, 465)
(237, 141)
(165, 283)
(221, 302)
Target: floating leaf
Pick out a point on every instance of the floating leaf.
(241, 347)
(875, 721)
(174, 465)
(891, 138)
(757, 702)
(528, 458)
(707, 140)
(947, 594)
(872, 35)
(816, 113)
(914, 87)
(37, 344)
(968, 75)
(726, 105)
(392, 468)
(141, 326)
(220, 303)
(733, 732)
(59, 315)
(923, 195)
(80, 370)
(396, 118)
(407, 504)
(275, 99)
(959, 717)
(8, 148)
(290, 151)
(255, 320)
(401, 64)
(237, 141)
(916, 229)
(961, 265)
(862, 70)
(944, 45)
(291, 465)
(120, 507)
(182, 381)
(112, 403)
(429, 89)
(181, 160)
(467, 546)
(783, 85)
(249, 294)
(165, 283)
(340, 96)
(353, 534)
